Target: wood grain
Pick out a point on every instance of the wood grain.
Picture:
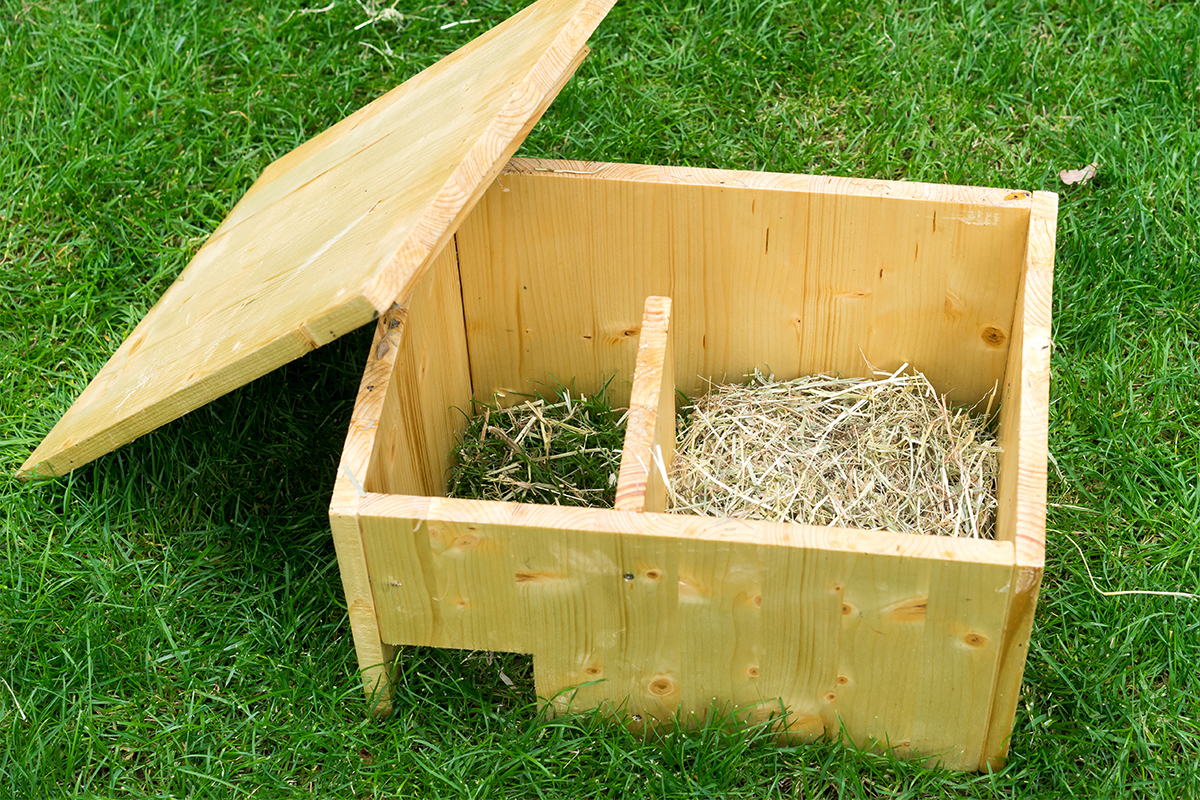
(1025, 400)
(427, 398)
(1021, 492)
(402, 431)
(791, 274)
(331, 234)
(649, 449)
(657, 615)
(373, 655)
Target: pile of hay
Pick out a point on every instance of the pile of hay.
(563, 451)
(875, 454)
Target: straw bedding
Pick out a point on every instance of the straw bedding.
(560, 450)
(884, 453)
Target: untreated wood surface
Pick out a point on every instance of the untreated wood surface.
(427, 398)
(410, 410)
(1025, 400)
(894, 636)
(331, 234)
(791, 274)
(649, 449)
(914, 642)
(1024, 427)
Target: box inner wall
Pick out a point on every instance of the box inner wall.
(545, 281)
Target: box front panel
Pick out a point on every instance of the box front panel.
(894, 637)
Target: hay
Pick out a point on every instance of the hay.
(565, 450)
(876, 454)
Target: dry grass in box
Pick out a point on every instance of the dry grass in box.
(566, 452)
(875, 454)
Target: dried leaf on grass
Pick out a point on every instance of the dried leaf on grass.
(1081, 176)
(562, 451)
(877, 454)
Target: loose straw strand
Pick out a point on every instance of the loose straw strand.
(1150, 592)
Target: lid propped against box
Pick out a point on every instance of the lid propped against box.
(330, 234)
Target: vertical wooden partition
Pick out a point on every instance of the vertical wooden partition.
(649, 448)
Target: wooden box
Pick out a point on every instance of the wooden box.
(910, 641)
(489, 276)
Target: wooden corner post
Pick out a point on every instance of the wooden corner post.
(374, 656)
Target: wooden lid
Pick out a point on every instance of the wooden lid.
(331, 234)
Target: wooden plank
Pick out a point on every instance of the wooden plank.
(373, 654)
(1021, 492)
(649, 448)
(1014, 650)
(331, 234)
(963, 634)
(893, 637)
(402, 430)
(427, 397)
(375, 657)
(791, 274)
(1025, 400)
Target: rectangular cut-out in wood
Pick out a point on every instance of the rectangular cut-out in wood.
(912, 642)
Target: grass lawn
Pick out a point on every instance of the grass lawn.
(171, 618)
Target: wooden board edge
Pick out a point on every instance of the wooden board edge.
(1034, 411)
(989, 197)
(368, 405)
(479, 168)
(375, 657)
(1014, 651)
(650, 425)
(690, 527)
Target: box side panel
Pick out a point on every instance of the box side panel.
(1024, 426)
(384, 421)
(1025, 401)
(893, 638)
(374, 656)
(787, 274)
(427, 397)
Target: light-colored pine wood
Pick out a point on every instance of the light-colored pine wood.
(791, 274)
(649, 448)
(331, 234)
(402, 431)
(427, 397)
(374, 656)
(658, 614)
(1025, 400)
(912, 643)
(1024, 426)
